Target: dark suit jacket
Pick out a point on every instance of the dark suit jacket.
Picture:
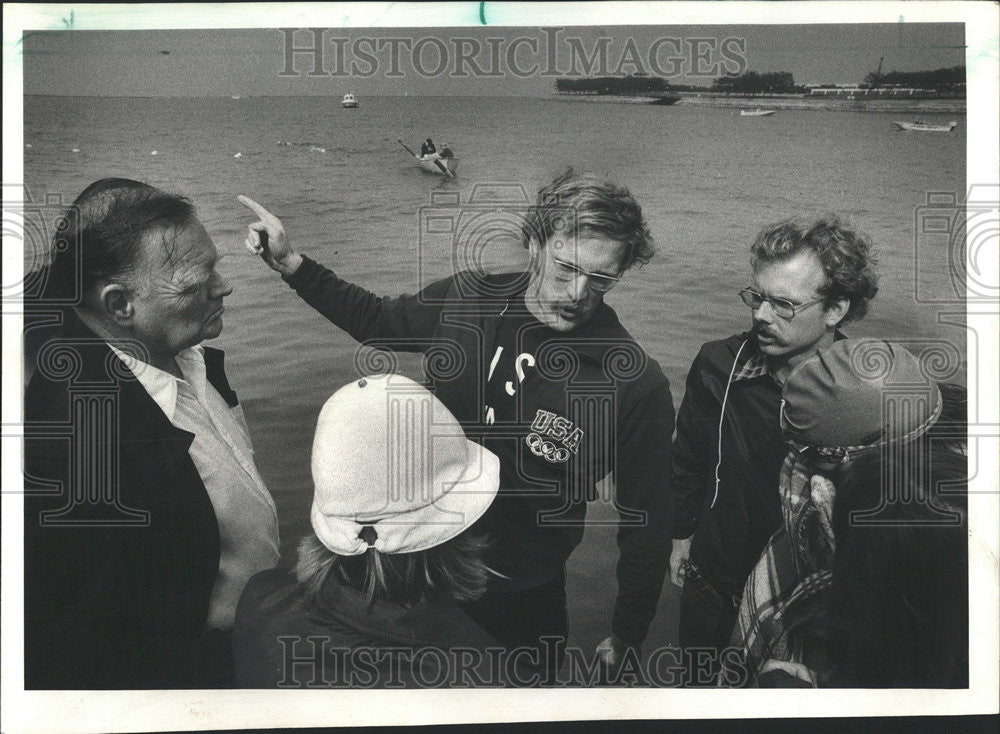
(121, 540)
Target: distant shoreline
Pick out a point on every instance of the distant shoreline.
(953, 106)
(899, 106)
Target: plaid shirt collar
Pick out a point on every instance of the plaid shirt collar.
(755, 367)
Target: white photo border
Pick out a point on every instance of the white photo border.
(123, 711)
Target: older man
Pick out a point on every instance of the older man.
(550, 381)
(809, 278)
(145, 514)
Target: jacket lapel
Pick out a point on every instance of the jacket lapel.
(215, 373)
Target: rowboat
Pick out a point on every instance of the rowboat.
(434, 163)
(926, 127)
(756, 113)
(349, 101)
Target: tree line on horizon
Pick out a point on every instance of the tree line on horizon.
(950, 80)
(952, 76)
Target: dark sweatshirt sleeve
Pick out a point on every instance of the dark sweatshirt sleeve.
(404, 320)
(642, 483)
(693, 452)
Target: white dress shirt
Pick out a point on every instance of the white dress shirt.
(223, 455)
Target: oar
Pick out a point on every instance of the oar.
(407, 149)
(438, 163)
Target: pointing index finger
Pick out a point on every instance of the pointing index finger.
(256, 208)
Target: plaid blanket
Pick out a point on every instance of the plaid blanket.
(793, 574)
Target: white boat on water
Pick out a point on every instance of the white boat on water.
(349, 101)
(434, 163)
(443, 165)
(922, 126)
(756, 113)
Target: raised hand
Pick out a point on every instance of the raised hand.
(266, 237)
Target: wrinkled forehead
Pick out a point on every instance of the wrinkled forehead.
(588, 251)
(175, 246)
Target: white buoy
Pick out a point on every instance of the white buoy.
(238, 155)
(154, 152)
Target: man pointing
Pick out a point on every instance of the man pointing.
(555, 440)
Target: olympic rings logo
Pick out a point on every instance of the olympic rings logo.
(546, 449)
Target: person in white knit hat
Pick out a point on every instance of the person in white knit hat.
(372, 602)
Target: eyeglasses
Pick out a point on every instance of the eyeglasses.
(782, 307)
(599, 282)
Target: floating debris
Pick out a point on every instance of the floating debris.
(27, 145)
(74, 150)
(154, 152)
(238, 155)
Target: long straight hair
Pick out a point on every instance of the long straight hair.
(454, 570)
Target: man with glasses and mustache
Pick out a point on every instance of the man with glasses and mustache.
(809, 278)
(553, 384)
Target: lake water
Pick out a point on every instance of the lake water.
(353, 199)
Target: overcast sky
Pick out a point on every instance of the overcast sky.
(464, 61)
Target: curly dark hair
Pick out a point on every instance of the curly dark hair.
(593, 206)
(847, 257)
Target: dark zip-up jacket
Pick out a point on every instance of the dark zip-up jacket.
(595, 403)
(282, 639)
(116, 584)
(729, 536)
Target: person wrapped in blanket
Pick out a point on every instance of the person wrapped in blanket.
(866, 584)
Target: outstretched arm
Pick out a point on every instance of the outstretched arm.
(354, 309)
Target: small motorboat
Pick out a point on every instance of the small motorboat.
(349, 101)
(756, 113)
(922, 126)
